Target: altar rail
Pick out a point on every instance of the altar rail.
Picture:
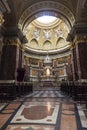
(9, 89)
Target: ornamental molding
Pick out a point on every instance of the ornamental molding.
(80, 39)
(1, 19)
(11, 41)
(35, 10)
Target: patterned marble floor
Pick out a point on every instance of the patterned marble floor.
(43, 110)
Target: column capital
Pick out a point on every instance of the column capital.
(12, 41)
(78, 32)
(1, 19)
(14, 32)
(79, 38)
(22, 47)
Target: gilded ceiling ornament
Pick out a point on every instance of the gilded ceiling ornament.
(47, 34)
(59, 32)
(36, 33)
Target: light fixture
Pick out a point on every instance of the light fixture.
(48, 72)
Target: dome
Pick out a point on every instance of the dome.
(46, 33)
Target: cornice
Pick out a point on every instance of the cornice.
(80, 30)
(52, 56)
(80, 39)
(50, 51)
(11, 41)
(14, 32)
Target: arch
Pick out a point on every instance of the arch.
(60, 42)
(34, 43)
(47, 45)
(53, 8)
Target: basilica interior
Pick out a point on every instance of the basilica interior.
(43, 66)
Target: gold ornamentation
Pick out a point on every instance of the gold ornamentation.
(72, 46)
(12, 41)
(22, 47)
(80, 39)
(1, 19)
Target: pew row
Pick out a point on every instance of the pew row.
(77, 91)
(9, 89)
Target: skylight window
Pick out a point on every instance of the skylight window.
(46, 19)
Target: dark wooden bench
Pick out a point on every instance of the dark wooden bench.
(9, 89)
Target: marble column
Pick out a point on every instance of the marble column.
(1, 37)
(27, 68)
(10, 58)
(72, 62)
(81, 54)
(21, 56)
(78, 36)
(75, 63)
(65, 72)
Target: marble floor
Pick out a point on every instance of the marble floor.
(43, 110)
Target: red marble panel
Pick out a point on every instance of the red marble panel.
(68, 107)
(13, 106)
(83, 61)
(68, 119)
(37, 112)
(4, 118)
(68, 122)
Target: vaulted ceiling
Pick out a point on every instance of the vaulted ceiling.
(20, 13)
(23, 11)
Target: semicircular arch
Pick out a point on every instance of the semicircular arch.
(53, 8)
(47, 45)
(34, 43)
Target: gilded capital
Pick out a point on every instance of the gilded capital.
(12, 41)
(80, 39)
(22, 47)
(72, 46)
(1, 19)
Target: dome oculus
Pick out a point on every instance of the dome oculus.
(46, 19)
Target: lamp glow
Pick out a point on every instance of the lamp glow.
(47, 71)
